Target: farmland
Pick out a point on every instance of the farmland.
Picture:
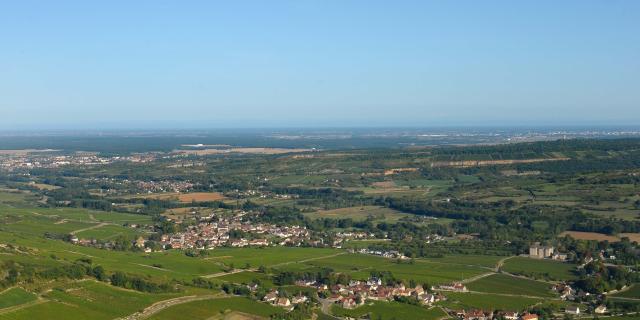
(489, 301)
(393, 310)
(499, 283)
(208, 309)
(186, 197)
(14, 297)
(360, 214)
(540, 269)
(589, 236)
(209, 236)
(632, 292)
(424, 271)
(86, 300)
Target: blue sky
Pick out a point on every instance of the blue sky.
(210, 64)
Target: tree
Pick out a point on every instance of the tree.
(119, 279)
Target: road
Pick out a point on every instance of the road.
(325, 308)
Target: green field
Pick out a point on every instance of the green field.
(300, 179)
(500, 283)
(269, 256)
(172, 264)
(360, 214)
(87, 300)
(632, 292)
(456, 300)
(359, 266)
(207, 309)
(541, 269)
(391, 310)
(247, 277)
(14, 197)
(473, 260)
(109, 232)
(15, 296)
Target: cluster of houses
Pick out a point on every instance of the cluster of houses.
(211, 234)
(48, 159)
(566, 291)
(349, 235)
(489, 315)
(456, 287)
(139, 243)
(163, 186)
(392, 254)
(275, 299)
(356, 292)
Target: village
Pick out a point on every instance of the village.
(208, 235)
(244, 228)
(14, 160)
(358, 293)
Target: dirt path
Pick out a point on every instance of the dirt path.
(445, 312)
(624, 298)
(307, 260)
(7, 289)
(220, 274)
(514, 295)
(161, 305)
(80, 253)
(501, 262)
(99, 225)
(152, 267)
(478, 277)
(22, 306)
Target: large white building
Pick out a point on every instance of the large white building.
(540, 252)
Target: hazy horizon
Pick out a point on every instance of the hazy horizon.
(74, 65)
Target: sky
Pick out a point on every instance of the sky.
(225, 64)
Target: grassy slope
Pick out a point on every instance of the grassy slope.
(201, 310)
(487, 301)
(499, 283)
(540, 268)
(391, 310)
(87, 300)
(15, 296)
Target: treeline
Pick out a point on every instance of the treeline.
(324, 275)
(501, 220)
(630, 160)
(13, 273)
(121, 279)
(599, 278)
(541, 147)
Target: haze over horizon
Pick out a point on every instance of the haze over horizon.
(153, 64)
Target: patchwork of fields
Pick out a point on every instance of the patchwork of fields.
(491, 210)
(540, 269)
(26, 227)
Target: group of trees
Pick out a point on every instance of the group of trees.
(324, 275)
(82, 268)
(599, 278)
